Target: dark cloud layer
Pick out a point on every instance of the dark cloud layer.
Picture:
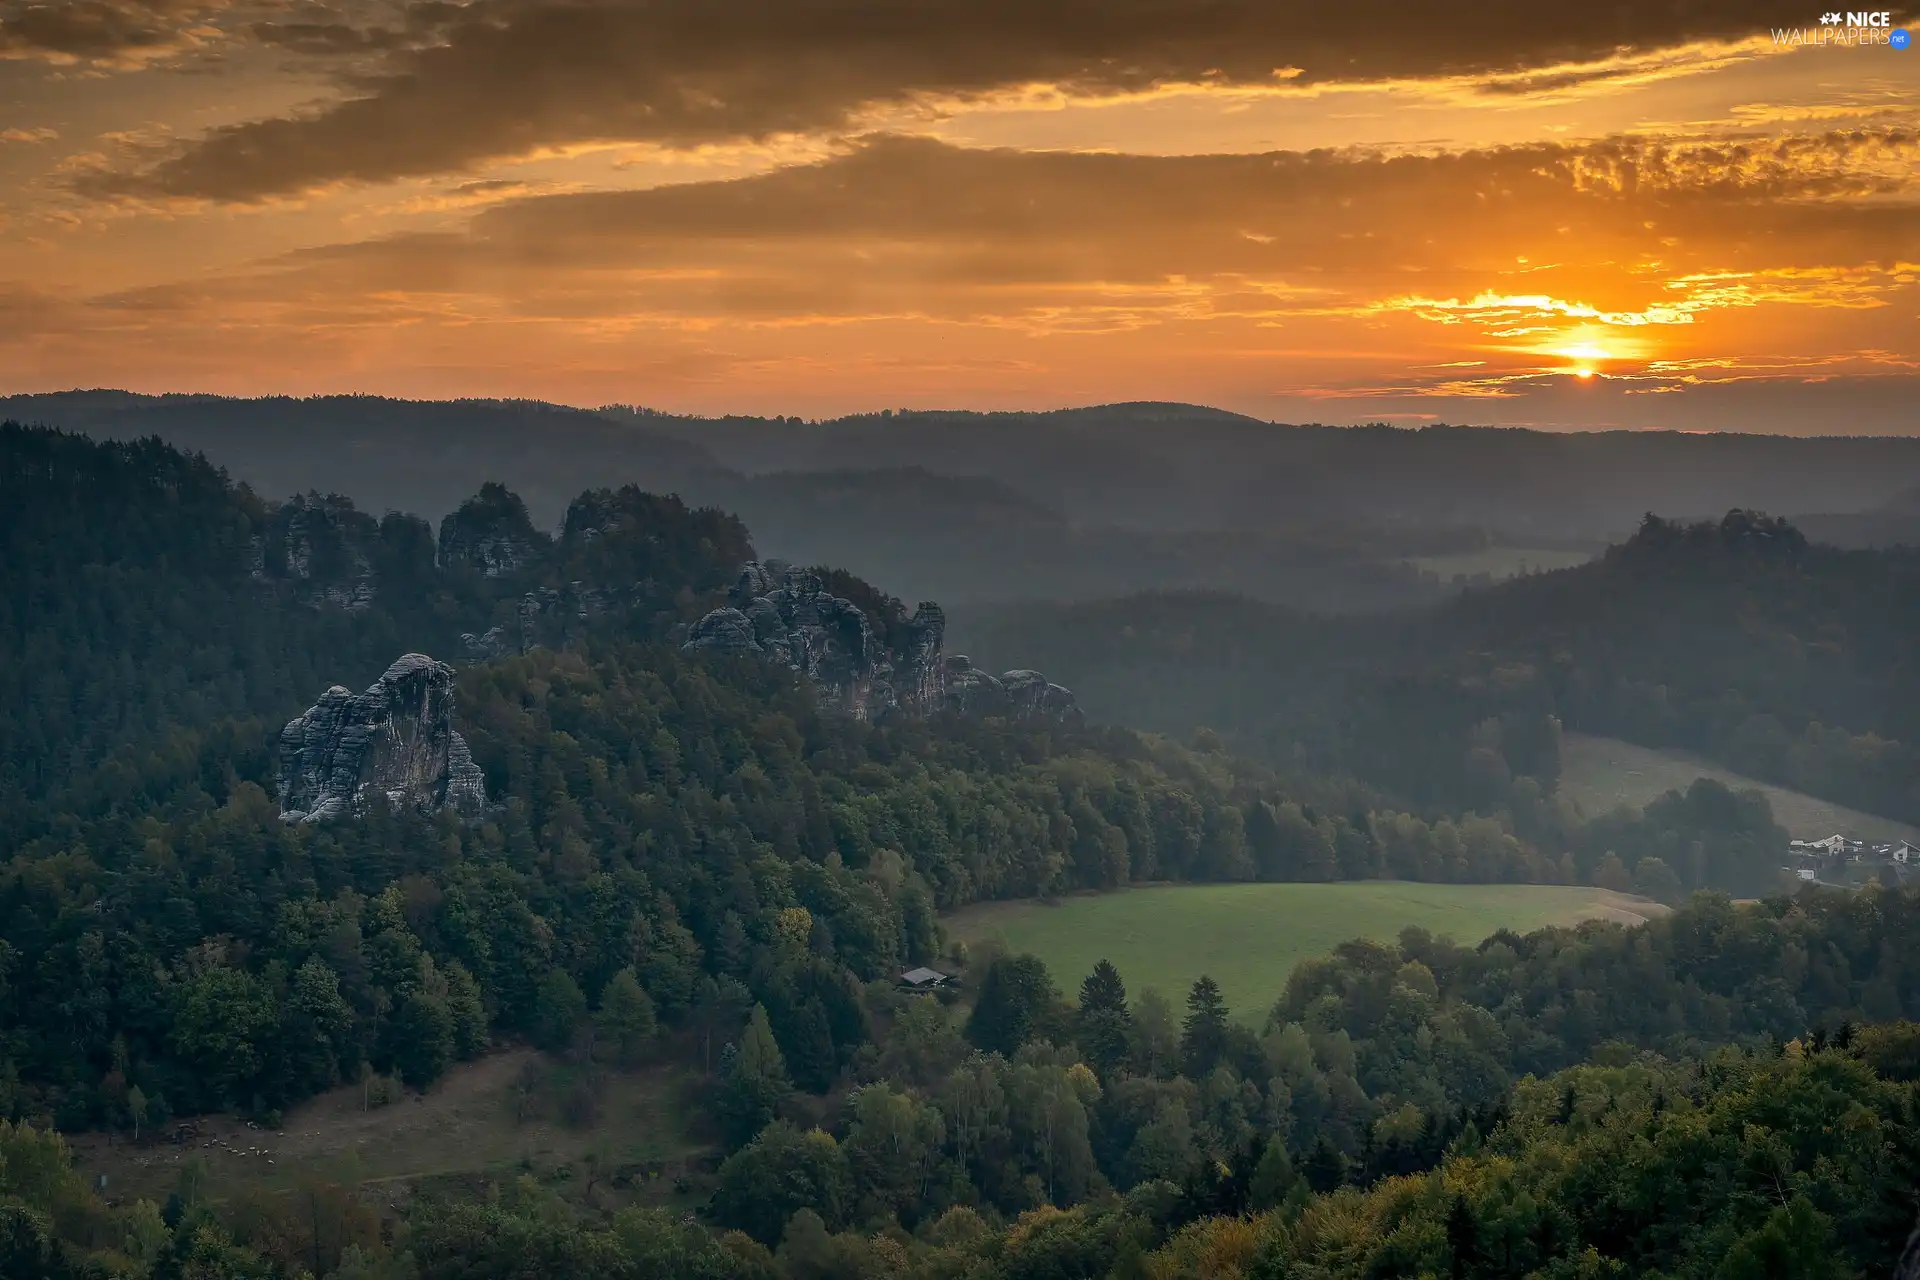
(95, 30)
(503, 77)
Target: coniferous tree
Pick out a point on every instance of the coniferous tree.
(1018, 1002)
(1203, 1036)
(626, 1019)
(1463, 1237)
(753, 1082)
(558, 1013)
(1326, 1166)
(1102, 1024)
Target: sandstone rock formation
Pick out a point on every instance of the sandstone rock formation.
(397, 738)
(622, 554)
(323, 547)
(544, 618)
(491, 535)
(1017, 695)
(786, 614)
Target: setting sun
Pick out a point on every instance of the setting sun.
(664, 205)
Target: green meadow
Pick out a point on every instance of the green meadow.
(1250, 936)
(1601, 773)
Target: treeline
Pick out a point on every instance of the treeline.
(693, 828)
(1376, 1062)
(143, 594)
(1738, 640)
(703, 829)
(1735, 639)
(1402, 1111)
(1416, 1105)
(700, 827)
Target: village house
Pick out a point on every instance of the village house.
(1831, 856)
(924, 979)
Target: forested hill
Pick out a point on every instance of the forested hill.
(1169, 467)
(144, 592)
(405, 455)
(659, 813)
(689, 865)
(1788, 661)
(1739, 639)
(1075, 505)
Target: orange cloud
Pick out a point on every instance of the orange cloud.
(1495, 276)
(450, 87)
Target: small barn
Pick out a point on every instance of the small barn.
(924, 979)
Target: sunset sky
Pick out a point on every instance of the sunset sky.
(1635, 214)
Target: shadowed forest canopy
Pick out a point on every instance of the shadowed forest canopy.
(1736, 639)
(1074, 505)
(690, 866)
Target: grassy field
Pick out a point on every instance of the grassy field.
(1604, 772)
(1250, 936)
(1500, 562)
(481, 1120)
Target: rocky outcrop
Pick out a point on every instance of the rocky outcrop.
(787, 615)
(397, 739)
(323, 547)
(869, 666)
(1016, 695)
(544, 618)
(623, 557)
(491, 535)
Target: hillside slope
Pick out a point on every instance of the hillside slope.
(1784, 661)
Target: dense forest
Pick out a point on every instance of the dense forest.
(1400, 1114)
(1078, 505)
(659, 811)
(1737, 639)
(689, 863)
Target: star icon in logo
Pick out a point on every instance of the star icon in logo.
(1829, 19)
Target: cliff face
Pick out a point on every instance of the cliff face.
(1016, 695)
(492, 535)
(787, 615)
(621, 553)
(624, 562)
(397, 738)
(322, 547)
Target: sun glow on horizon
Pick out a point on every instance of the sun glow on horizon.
(1590, 353)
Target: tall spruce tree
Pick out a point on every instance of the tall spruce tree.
(1203, 1036)
(1017, 1003)
(1103, 1024)
(753, 1082)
